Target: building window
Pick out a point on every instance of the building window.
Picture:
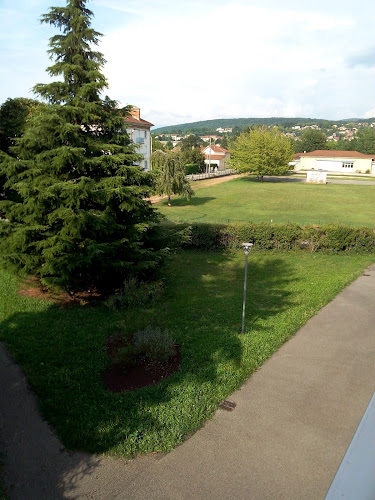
(348, 164)
(140, 140)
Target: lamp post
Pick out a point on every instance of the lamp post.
(246, 247)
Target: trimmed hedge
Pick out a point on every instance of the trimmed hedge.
(191, 168)
(328, 238)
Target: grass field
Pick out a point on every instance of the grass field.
(62, 350)
(246, 199)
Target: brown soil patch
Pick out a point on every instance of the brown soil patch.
(202, 183)
(119, 378)
(31, 287)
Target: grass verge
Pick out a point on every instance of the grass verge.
(61, 350)
(246, 199)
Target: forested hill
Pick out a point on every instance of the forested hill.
(209, 126)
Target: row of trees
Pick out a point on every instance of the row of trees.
(189, 148)
(312, 139)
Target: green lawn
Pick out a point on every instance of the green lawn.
(246, 199)
(62, 350)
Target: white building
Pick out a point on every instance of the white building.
(335, 161)
(215, 156)
(139, 133)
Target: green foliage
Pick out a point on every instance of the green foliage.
(332, 238)
(156, 145)
(191, 142)
(149, 344)
(262, 152)
(81, 219)
(311, 140)
(210, 126)
(364, 141)
(135, 292)
(13, 117)
(193, 155)
(224, 142)
(125, 355)
(154, 344)
(191, 168)
(169, 172)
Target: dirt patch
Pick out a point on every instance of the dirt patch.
(31, 287)
(201, 184)
(119, 378)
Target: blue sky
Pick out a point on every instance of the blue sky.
(190, 60)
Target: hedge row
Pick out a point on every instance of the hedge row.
(328, 238)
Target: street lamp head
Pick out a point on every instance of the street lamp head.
(247, 246)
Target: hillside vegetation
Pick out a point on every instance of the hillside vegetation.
(208, 126)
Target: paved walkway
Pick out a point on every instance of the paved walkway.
(293, 421)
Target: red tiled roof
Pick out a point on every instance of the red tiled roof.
(216, 149)
(214, 157)
(135, 121)
(331, 153)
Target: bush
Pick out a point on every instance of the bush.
(135, 292)
(125, 356)
(154, 344)
(289, 236)
(191, 168)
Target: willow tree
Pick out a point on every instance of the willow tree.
(80, 219)
(169, 172)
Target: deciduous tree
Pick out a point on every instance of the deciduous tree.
(261, 151)
(364, 141)
(311, 140)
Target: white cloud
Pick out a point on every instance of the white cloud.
(226, 60)
(192, 60)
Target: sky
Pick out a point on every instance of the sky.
(189, 60)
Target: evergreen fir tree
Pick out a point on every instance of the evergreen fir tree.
(81, 220)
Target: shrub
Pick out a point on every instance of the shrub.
(135, 292)
(264, 235)
(191, 168)
(153, 344)
(206, 236)
(125, 355)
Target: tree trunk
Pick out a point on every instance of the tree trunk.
(169, 200)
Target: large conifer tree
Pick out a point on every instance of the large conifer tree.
(81, 219)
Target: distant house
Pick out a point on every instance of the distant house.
(139, 132)
(215, 156)
(208, 138)
(224, 130)
(335, 161)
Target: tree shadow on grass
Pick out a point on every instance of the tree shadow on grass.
(184, 202)
(273, 179)
(62, 354)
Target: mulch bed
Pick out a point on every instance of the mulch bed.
(118, 379)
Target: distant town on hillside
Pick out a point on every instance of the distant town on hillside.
(291, 126)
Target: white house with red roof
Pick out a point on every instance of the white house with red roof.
(335, 161)
(139, 133)
(215, 156)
